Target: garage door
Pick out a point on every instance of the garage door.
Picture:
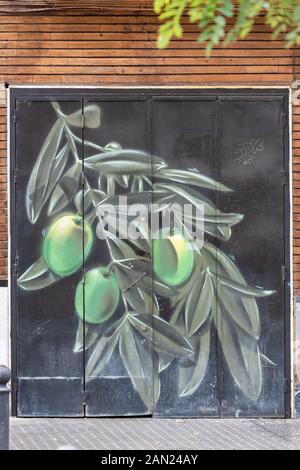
(150, 252)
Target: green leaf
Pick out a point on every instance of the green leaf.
(120, 248)
(142, 197)
(136, 299)
(191, 178)
(191, 375)
(159, 288)
(164, 361)
(65, 190)
(164, 337)
(138, 264)
(198, 304)
(137, 184)
(163, 39)
(267, 361)
(122, 180)
(280, 15)
(155, 387)
(141, 300)
(227, 268)
(224, 232)
(110, 185)
(211, 213)
(235, 308)
(37, 276)
(245, 291)
(85, 337)
(137, 360)
(87, 198)
(122, 162)
(213, 230)
(103, 350)
(118, 225)
(92, 117)
(46, 172)
(128, 277)
(242, 355)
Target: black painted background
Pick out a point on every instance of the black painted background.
(189, 130)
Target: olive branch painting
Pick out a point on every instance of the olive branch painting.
(203, 287)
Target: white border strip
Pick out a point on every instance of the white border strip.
(8, 155)
(292, 302)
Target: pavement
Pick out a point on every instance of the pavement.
(156, 434)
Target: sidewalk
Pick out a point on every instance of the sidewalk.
(157, 434)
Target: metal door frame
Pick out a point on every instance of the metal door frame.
(63, 93)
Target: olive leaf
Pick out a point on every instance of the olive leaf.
(228, 269)
(191, 177)
(137, 185)
(156, 386)
(103, 350)
(223, 232)
(102, 182)
(87, 198)
(242, 355)
(267, 361)
(192, 374)
(164, 361)
(118, 225)
(122, 180)
(141, 301)
(128, 162)
(243, 290)
(111, 187)
(147, 180)
(37, 276)
(92, 117)
(134, 270)
(47, 169)
(164, 337)
(145, 197)
(199, 303)
(237, 311)
(137, 359)
(218, 231)
(158, 287)
(178, 302)
(210, 213)
(129, 277)
(138, 264)
(86, 336)
(65, 190)
(120, 248)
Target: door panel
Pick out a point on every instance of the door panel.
(250, 161)
(138, 327)
(184, 135)
(49, 374)
(118, 364)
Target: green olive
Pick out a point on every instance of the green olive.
(173, 258)
(97, 298)
(68, 241)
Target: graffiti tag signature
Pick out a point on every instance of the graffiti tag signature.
(244, 153)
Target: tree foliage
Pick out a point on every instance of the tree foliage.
(227, 20)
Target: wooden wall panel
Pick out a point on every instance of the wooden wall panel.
(101, 46)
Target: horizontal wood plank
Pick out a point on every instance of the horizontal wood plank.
(81, 44)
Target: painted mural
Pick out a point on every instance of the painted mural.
(119, 305)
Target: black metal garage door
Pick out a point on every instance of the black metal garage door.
(112, 318)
